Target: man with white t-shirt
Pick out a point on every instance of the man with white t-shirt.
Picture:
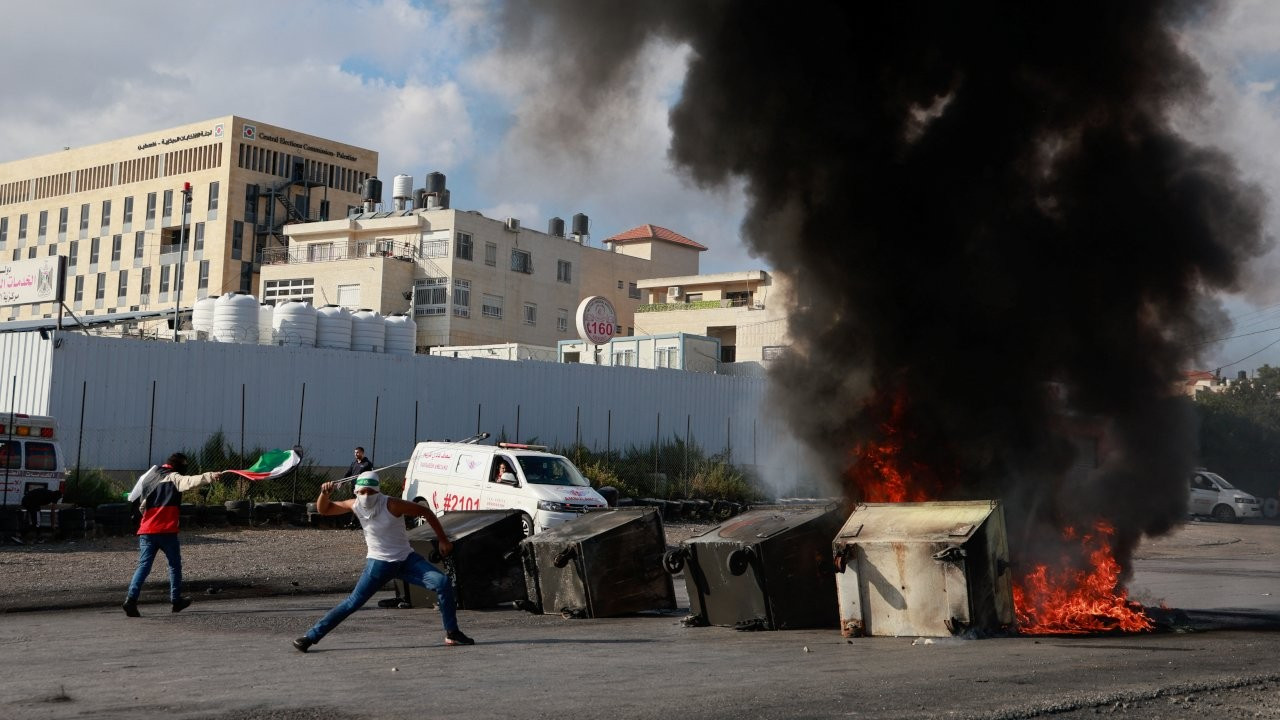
(390, 557)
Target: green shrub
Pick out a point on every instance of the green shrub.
(90, 487)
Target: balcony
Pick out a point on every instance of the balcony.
(702, 305)
(338, 251)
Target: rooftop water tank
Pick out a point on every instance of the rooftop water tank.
(401, 334)
(202, 316)
(581, 225)
(401, 190)
(294, 324)
(369, 331)
(235, 318)
(555, 228)
(266, 328)
(333, 327)
(435, 182)
(373, 189)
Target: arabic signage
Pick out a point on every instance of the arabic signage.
(251, 132)
(194, 135)
(23, 282)
(597, 321)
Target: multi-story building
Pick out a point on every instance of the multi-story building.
(469, 279)
(116, 210)
(746, 311)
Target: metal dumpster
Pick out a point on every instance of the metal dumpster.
(603, 564)
(767, 569)
(928, 568)
(485, 559)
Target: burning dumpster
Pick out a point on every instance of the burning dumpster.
(765, 569)
(924, 568)
(603, 564)
(485, 559)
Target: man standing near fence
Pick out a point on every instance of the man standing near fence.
(390, 556)
(160, 492)
(360, 464)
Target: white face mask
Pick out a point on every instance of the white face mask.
(367, 501)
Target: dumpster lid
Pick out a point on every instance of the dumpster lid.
(460, 523)
(755, 525)
(947, 521)
(593, 523)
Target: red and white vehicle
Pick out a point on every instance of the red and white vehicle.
(30, 456)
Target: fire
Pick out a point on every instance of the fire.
(1071, 601)
(882, 474)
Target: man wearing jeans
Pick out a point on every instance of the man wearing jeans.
(160, 492)
(390, 556)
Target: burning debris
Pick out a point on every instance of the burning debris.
(977, 202)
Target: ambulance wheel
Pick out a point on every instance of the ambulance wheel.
(526, 524)
(1224, 513)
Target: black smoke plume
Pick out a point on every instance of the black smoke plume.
(1003, 250)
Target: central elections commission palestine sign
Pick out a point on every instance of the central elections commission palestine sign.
(26, 282)
(597, 320)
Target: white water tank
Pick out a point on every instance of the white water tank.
(235, 318)
(401, 334)
(265, 325)
(369, 331)
(202, 317)
(333, 327)
(294, 324)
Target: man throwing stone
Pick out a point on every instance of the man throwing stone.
(390, 556)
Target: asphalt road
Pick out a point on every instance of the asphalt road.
(233, 659)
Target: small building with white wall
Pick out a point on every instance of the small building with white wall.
(675, 351)
(500, 351)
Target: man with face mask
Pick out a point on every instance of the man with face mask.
(390, 556)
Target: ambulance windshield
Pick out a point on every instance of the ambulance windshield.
(551, 471)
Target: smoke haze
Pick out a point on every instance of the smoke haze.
(996, 235)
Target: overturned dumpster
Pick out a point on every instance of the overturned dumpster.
(767, 569)
(485, 562)
(603, 564)
(927, 568)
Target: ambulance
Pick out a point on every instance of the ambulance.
(546, 488)
(30, 456)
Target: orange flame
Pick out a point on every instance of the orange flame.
(878, 469)
(1067, 601)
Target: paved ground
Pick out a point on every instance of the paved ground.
(225, 659)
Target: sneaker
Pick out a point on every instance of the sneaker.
(131, 608)
(455, 637)
(302, 643)
(181, 604)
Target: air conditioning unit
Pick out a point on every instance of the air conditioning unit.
(513, 224)
(674, 291)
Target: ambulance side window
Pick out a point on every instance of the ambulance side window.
(41, 456)
(11, 454)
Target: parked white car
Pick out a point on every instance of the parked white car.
(1214, 497)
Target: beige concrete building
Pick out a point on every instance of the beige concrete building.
(469, 279)
(745, 311)
(115, 210)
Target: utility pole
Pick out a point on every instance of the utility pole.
(182, 248)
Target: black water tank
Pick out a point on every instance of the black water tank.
(581, 225)
(555, 228)
(373, 189)
(435, 182)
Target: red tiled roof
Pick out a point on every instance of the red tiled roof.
(1193, 375)
(654, 232)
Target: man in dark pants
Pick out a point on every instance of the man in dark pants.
(360, 465)
(160, 492)
(35, 499)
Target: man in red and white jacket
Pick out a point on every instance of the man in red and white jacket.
(160, 492)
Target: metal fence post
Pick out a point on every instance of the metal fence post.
(728, 440)
(151, 428)
(479, 406)
(415, 425)
(242, 419)
(657, 439)
(517, 438)
(302, 407)
(84, 389)
(377, 400)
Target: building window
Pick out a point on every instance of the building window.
(633, 292)
(62, 223)
(738, 299)
(31, 251)
(151, 210)
(42, 228)
(771, 352)
(116, 242)
(164, 279)
(93, 250)
(530, 314)
(106, 217)
(521, 262)
(278, 291)
(199, 237)
(128, 213)
(349, 296)
(84, 221)
(204, 275)
(4, 231)
(246, 278)
(79, 296)
(71, 255)
(53, 249)
(146, 283)
(17, 254)
(491, 254)
(564, 271)
(619, 284)
(624, 358)
(22, 227)
(491, 306)
(320, 252)
(431, 296)
(139, 244)
(462, 247)
(251, 203)
(462, 298)
(692, 298)
(122, 287)
(435, 244)
(212, 213)
(562, 320)
(666, 357)
(166, 211)
(237, 239)
(101, 291)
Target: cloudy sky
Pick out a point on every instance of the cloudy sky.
(426, 85)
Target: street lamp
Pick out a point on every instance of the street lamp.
(182, 248)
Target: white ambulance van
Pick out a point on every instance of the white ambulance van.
(30, 456)
(547, 488)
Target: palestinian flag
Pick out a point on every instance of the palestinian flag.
(272, 464)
